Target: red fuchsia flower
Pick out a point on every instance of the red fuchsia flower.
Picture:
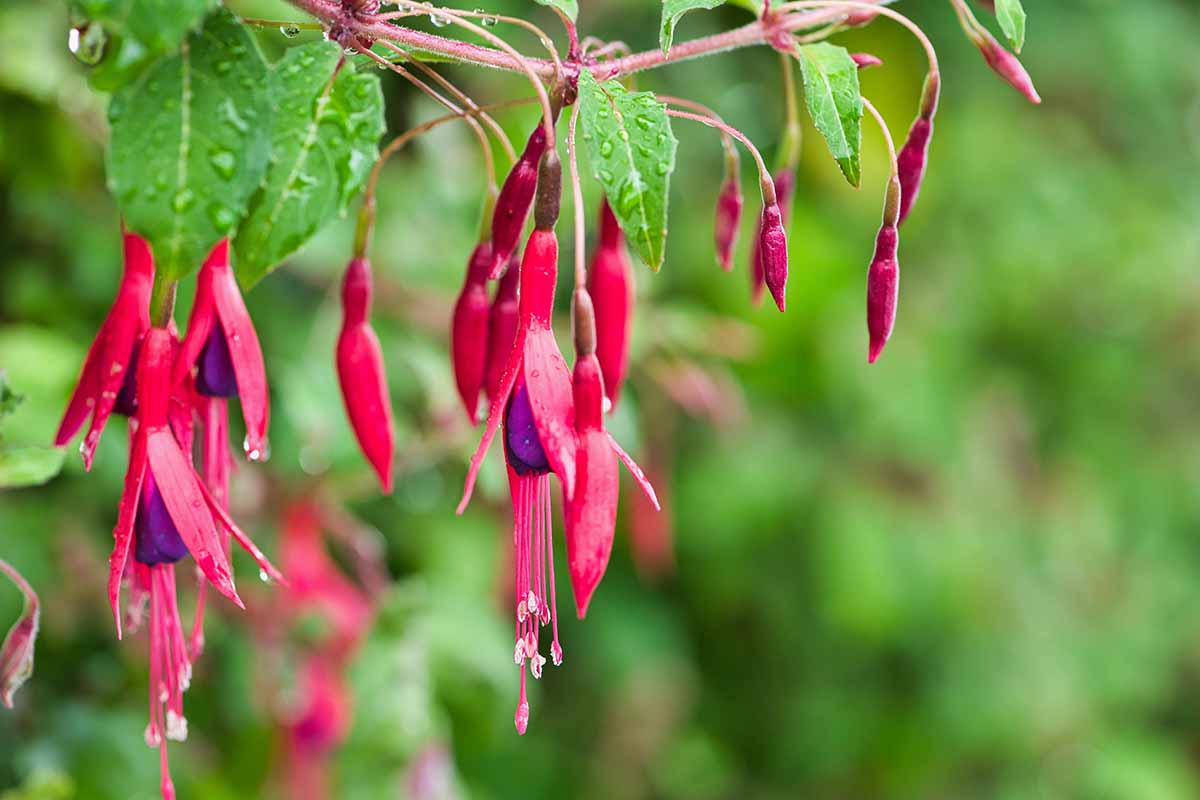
(592, 512)
(112, 352)
(165, 514)
(883, 277)
(1004, 63)
(768, 260)
(222, 345)
(16, 653)
(469, 331)
(315, 730)
(914, 155)
(610, 284)
(729, 218)
(515, 200)
(361, 373)
(535, 403)
(502, 326)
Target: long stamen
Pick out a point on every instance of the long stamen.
(556, 653)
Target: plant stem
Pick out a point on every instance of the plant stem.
(764, 175)
(577, 196)
(754, 33)
(162, 302)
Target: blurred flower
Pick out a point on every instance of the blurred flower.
(16, 653)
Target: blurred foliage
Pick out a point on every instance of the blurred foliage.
(971, 570)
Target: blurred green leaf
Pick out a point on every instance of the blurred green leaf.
(159, 25)
(190, 144)
(29, 466)
(631, 148)
(1011, 15)
(835, 103)
(568, 7)
(671, 13)
(326, 137)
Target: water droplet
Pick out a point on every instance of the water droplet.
(630, 195)
(256, 455)
(605, 176)
(439, 20)
(222, 216)
(662, 167)
(224, 162)
(289, 31)
(624, 134)
(183, 201)
(87, 42)
(263, 576)
(223, 67)
(606, 148)
(644, 122)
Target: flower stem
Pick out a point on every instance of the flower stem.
(764, 175)
(162, 302)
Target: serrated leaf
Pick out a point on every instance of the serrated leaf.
(1011, 16)
(190, 143)
(29, 466)
(159, 25)
(835, 103)
(568, 7)
(325, 141)
(632, 152)
(672, 11)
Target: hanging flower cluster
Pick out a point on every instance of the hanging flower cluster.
(169, 508)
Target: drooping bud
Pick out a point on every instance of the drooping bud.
(502, 326)
(361, 373)
(866, 60)
(772, 248)
(857, 19)
(883, 277)
(549, 192)
(610, 285)
(1005, 64)
(516, 197)
(16, 653)
(914, 155)
(729, 218)
(469, 331)
(781, 189)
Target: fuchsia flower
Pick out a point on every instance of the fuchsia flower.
(361, 373)
(729, 218)
(113, 350)
(502, 326)
(469, 331)
(166, 513)
(515, 200)
(592, 511)
(222, 344)
(610, 284)
(535, 403)
(769, 260)
(16, 653)
(1005, 64)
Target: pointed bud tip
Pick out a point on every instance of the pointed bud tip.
(875, 348)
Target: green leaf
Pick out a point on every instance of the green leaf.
(672, 11)
(29, 466)
(9, 400)
(835, 103)
(568, 7)
(1011, 15)
(632, 152)
(326, 138)
(159, 25)
(190, 143)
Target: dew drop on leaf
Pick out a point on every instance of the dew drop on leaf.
(289, 31)
(224, 162)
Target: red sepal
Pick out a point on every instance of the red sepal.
(610, 284)
(469, 331)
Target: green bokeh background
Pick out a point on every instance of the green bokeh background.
(969, 571)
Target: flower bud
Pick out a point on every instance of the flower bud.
(772, 246)
(515, 200)
(502, 326)
(914, 155)
(361, 373)
(729, 217)
(1006, 65)
(865, 60)
(783, 187)
(610, 285)
(469, 331)
(883, 286)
